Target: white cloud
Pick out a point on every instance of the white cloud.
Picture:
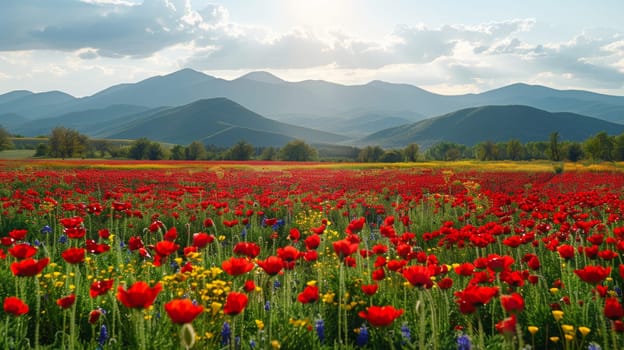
(113, 28)
(133, 39)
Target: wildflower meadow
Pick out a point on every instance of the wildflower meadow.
(275, 255)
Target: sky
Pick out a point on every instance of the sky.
(448, 47)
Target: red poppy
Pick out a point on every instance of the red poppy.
(249, 286)
(318, 230)
(370, 289)
(309, 295)
(507, 326)
(271, 265)
(135, 243)
(29, 267)
(289, 255)
(75, 232)
(202, 239)
(418, 276)
(618, 326)
(312, 242)
(445, 283)
(139, 296)
(166, 248)
(94, 316)
(235, 303)
(66, 302)
(566, 251)
(613, 309)
(593, 274)
(15, 306)
(208, 223)
(183, 311)
(237, 266)
(74, 255)
(18, 235)
(356, 225)
(464, 269)
(294, 234)
(344, 248)
(22, 251)
(499, 263)
(187, 267)
(231, 223)
(378, 275)
(396, 265)
(474, 296)
(249, 249)
(310, 255)
(513, 303)
(96, 248)
(7, 241)
(104, 233)
(100, 287)
(156, 225)
(380, 316)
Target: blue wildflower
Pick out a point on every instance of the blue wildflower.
(226, 332)
(463, 342)
(593, 346)
(244, 232)
(46, 229)
(252, 344)
(62, 239)
(276, 284)
(267, 305)
(362, 337)
(320, 329)
(103, 335)
(405, 331)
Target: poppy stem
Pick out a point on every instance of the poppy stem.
(37, 310)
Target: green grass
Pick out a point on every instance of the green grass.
(17, 154)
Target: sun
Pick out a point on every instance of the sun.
(320, 14)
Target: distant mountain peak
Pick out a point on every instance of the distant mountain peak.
(263, 77)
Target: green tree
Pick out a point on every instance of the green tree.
(537, 150)
(370, 154)
(178, 152)
(574, 152)
(155, 151)
(5, 139)
(391, 156)
(599, 147)
(618, 148)
(554, 148)
(240, 151)
(486, 151)
(410, 152)
(67, 143)
(298, 151)
(195, 151)
(101, 146)
(138, 149)
(269, 153)
(447, 151)
(41, 150)
(514, 149)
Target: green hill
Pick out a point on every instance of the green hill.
(494, 123)
(216, 121)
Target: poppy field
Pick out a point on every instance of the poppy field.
(269, 256)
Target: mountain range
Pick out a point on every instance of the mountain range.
(188, 105)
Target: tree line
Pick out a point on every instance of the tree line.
(68, 143)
